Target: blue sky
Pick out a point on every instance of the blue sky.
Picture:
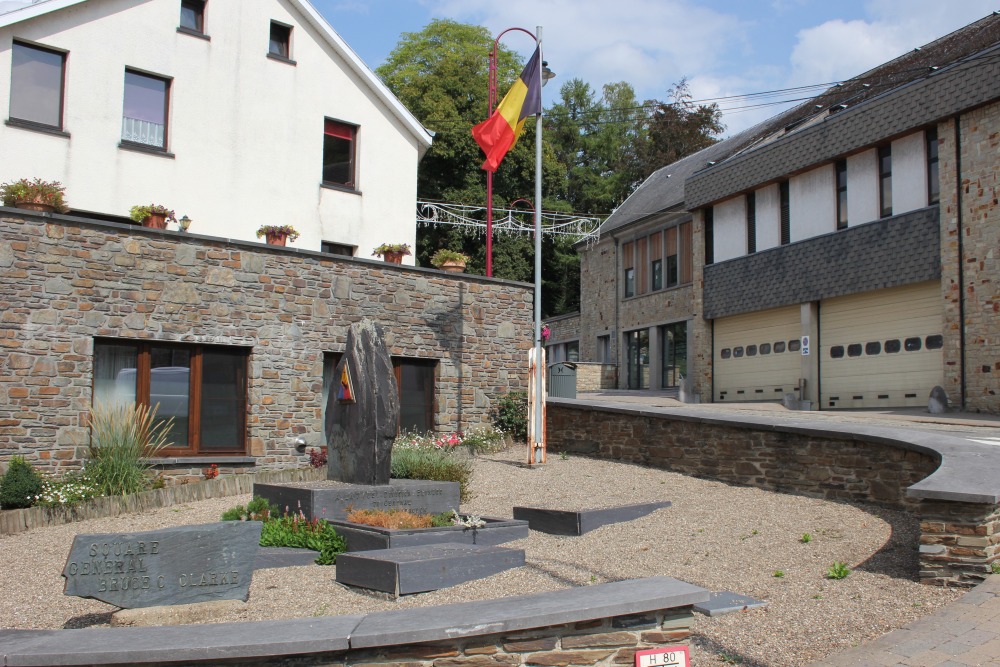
(723, 47)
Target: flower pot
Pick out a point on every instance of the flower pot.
(155, 221)
(35, 206)
(275, 239)
(393, 257)
(453, 266)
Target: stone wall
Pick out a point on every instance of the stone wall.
(970, 261)
(959, 541)
(599, 295)
(595, 377)
(65, 280)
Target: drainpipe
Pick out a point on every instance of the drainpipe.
(961, 256)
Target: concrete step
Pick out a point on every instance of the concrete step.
(417, 569)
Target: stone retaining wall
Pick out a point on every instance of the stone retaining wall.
(595, 376)
(959, 540)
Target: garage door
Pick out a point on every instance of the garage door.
(757, 355)
(881, 349)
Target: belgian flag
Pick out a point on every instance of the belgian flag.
(499, 133)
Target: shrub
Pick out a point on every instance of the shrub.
(21, 485)
(485, 440)
(294, 530)
(510, 414)
(121, 437)
(432, 463)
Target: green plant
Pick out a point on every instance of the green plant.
(294, 530)
(995, 567)
(443, 255)
(72, 488)
(730, 659)
(34, 191)
(779, 573)
(806, 538)
(122, 436)
(510, 414)
(432, 463)
(563, 456)
(140, 213)
(838, 570)
(395, 248)
(277, 230)
(21, 486)
(484, 440)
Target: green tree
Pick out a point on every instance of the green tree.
(678, 129)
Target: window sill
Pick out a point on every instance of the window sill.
(148, 150)
(281, 59)
(340, 188)
(199, 460)
(36, 127)
(193, 33)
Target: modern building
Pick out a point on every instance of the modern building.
(236, 114)
(843, 252)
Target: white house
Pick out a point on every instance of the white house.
(236, 114)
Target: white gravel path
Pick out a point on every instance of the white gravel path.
(714, 535)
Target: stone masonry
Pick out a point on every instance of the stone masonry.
(970, 256)
(65, 281)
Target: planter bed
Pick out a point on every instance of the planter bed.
(361, 537)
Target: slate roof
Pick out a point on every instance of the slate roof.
(901, 94)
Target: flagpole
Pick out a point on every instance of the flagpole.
(539, 420)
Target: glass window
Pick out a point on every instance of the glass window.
(779, 346)
(933, 174)
(892, 346)
(144, 120)
(726, 353)
(416, 394)
(912, 344)
(873, 348)
(656, 272)
(573, 351)
(738, 352)
(841, 168)
(673, 338)
(709, 236)
(751, 222)
(337, 248)
(338, 153)
(854, 350)
(935, 342)
(201, 388)
(837, 352)
(765, 348)
(193, 15)
(794, 345)
(751, 350)
(36, 85)
(629, 282)
(280, 40)
(671, 270)
(885, 180)
(785, 213)
(604, 349)
(637, 347)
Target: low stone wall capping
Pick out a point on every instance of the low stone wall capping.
(952, 485)
(601, 625)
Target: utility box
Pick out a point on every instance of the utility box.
(562, 380)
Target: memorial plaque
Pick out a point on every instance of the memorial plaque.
(163, 567)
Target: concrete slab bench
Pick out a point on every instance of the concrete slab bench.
(578, 522)
(418, 569)
(655, 608)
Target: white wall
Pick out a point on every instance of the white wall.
(812, 199)
(768, 217)
(862, 188)
(730, 231)
(909, 173)
(246, 130)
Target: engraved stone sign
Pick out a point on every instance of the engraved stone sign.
(163, 567)
(363, 411)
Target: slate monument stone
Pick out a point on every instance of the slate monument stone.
(179, 565)
(362, 412)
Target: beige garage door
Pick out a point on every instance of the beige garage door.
(757, 355)
(881, 349)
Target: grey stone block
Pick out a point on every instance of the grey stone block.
(162, 567)
(578, 522)
(406, 570)
(727, 602)
(367, 538)
(283, 557)
(331, 500)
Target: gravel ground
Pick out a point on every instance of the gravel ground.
(714, 535)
